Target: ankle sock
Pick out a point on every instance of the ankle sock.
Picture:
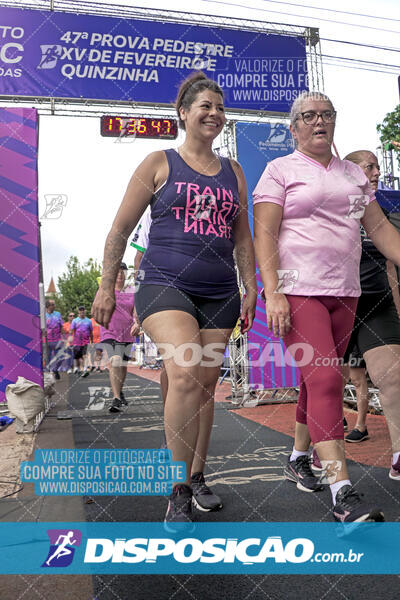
(296, 453)
(335, 487)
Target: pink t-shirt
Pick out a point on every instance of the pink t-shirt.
(122, 319)
(319, 238)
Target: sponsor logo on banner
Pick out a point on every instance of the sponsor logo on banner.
(50, 55)
(278, 139)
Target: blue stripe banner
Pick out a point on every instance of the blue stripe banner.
(210, 548)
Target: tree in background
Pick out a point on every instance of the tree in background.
(77, 286)
(389, 132)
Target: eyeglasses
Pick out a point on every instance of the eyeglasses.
(310, 117)
(71, 315)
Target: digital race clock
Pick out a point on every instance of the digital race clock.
(150, 128)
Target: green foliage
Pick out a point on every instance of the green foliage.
(77, 286)
(389, 130)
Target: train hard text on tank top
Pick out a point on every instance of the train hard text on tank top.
(191, 239)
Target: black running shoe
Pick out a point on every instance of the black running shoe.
(357, 436)
(115, 406)
(179, 516)
(203, 498)
(299, 471)
(350, 507)
(124, 401)
(56, 374)
(345, 425)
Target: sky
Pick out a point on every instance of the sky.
(92, 172)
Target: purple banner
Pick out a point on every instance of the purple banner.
(270, 363)
(65, 55)
(20, 339)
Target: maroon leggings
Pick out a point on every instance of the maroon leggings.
(321, 327)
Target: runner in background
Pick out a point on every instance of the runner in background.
(69, 359)
(95, 350)
(117, 338)
(55, 344)
(376, 333)
(80, 336)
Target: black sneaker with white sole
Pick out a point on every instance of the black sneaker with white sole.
(299, 471)
(115, 406)
(203, 497)
(179, 515)
(350, 507)
(356, 436)
(124, 401)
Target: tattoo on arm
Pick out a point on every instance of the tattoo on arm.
(245, 262)
(113, 253)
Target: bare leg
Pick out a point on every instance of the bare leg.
(117, 376)
(209, 374)
(171, 329)
(302, 437)
(359, 380)
(333, 452)
(383, 368)
(164, 384)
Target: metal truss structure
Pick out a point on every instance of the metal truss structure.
(386, 160)
(350, 398)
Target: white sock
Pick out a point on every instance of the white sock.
(395, 457)
(296, 453)
(335, 487)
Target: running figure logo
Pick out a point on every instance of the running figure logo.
(330, 470)
(278, 133)
(286, 280)
(50, 54)
(204, 205)
(62, 547)
(55, 204)
(358, 203)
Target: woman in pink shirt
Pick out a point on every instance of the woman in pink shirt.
(308, 207)
(116, 339)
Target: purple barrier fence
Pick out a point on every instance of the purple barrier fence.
(20, 339)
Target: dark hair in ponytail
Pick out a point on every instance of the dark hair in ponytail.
(189, 89)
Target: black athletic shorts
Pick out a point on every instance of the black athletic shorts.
(208, 312)
(376, 324)
(114, 348)
(79, 352)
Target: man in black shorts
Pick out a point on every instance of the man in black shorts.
(376, 334)
(81, 334)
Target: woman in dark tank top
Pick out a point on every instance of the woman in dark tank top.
(188, 300)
